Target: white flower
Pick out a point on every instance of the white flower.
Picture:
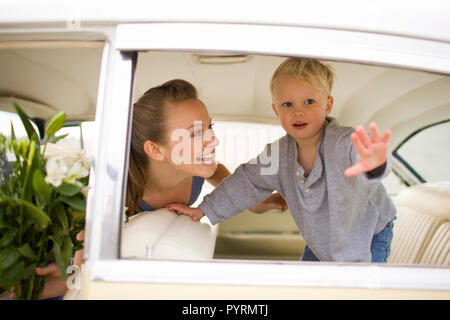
(56, 171)
(66, 162)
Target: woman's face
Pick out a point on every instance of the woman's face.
(191, 140)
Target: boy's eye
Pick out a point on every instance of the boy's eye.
(309, 101)
(287, 104)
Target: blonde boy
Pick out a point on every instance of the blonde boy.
(329, 175)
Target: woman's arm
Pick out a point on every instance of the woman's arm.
(220, 174)
(78, 261)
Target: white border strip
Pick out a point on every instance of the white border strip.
(290, 274)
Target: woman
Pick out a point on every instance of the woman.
(171, 154)
(163, 168)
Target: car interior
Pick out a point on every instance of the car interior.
(235, 88)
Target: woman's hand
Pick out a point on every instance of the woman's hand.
(54, 284)
(274, 201)
(195, 213)
(372, 152)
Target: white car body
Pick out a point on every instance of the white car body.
(413, 37)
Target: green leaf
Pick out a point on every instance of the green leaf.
(76, 203)
(32, 162)
(67, 189)
(55, 124)
(13, 143)
(26, 251)
(59, 214)
(57, 231)
(13, 134)
(39, 217)
(32, 134)
(40, 186)
(55, 139)
(78, 217)
(8, 256)
(66, 250)
(15, 274)
(3, 224)
(62, 265)
(8, 237)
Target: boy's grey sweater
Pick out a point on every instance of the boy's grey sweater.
(337, 216)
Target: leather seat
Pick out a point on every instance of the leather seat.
(422, 228)
(162, 234)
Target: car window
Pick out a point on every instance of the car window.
(83, 132)
(426, 153)
(8, 118)
(244, 123)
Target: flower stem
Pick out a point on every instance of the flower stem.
(29, 163)
(41, 248)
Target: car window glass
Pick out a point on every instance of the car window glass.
(239, 143)
(427, 152)
(238, 99)
(8, 118)
(83, 132)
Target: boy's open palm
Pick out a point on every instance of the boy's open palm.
(372, 151)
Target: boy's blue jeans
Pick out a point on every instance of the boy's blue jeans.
(380, 248)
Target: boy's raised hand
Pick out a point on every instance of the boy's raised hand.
(372, 151)
(195, 213)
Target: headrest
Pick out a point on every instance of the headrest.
(430, 198)
(166, 235)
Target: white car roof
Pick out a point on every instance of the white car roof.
(425, 19)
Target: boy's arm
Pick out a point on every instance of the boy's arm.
(273, 201)
(238, 192)
(373, 157)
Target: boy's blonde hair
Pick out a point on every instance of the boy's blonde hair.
(310, 70)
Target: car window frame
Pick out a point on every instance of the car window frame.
(105, 207)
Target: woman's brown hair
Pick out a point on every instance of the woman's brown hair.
(149, 123)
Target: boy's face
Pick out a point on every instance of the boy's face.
(301, 107)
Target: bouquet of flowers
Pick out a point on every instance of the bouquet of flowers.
(42, 205)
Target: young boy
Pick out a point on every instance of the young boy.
(332, 186)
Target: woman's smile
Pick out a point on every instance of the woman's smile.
(207, 160)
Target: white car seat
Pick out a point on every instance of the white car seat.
(422, 228)
(162, 234)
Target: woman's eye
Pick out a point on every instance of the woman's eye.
(211, 125)
(287, 104)
(309, 101)
(197, 133)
